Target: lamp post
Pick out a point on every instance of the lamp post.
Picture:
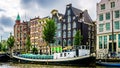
(112, 34)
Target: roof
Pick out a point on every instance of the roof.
(86, 16)
(76, 11)
(60, 14)
(18, 17)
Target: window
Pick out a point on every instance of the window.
(59, 26)
(59, 42)
(59, 33)
(116, 25)
(105, 42)
(74, 24)
(61, 55)
(68, 12)
(110, 37)
(117, 14)
(65, 54)
(64, 34)
(102, 6)
(69, 25)
(69, 18)
(64, 26)
(100, 42)
(119, 40)
(64, 42)
(108, 16)
(100, 27)
(112, 4)
(107, 26)
(69, 33)
(69, 42)
(55, 19)
(74, 32)
(101, 17)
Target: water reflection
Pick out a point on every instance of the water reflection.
(15, 65)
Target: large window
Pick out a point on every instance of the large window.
(119, 40)
(105, 42)
(74, 32)
(64, 42)
(69, 18)
(101, 17)
(110, 37)
(116, 25)
(59, 33)
(59, 26)
(108, 16)
(100, 42)
(64, 26)
(100, 27)
(117, 14)
(69, 26)
(74, 24)
(69, 42)
(112, 4)
(69, 33)
(107, 26)
(64, 34)
(102, 6)
(68, 12)
(55, 19)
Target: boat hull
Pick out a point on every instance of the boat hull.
(108, 64)
(4, 57)
(87, 61)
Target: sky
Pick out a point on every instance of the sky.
(28, 9)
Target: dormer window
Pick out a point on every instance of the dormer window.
(112, 4)
(102, 6)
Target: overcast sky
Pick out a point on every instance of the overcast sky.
(30, 8)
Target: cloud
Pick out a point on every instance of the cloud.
(31, 8)
(6, 26)
(6, 21)
(2, 10)
(42, 3)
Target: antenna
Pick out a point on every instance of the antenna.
(25, 17)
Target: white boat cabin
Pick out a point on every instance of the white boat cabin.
(82, 51)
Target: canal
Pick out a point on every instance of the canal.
(18, 65)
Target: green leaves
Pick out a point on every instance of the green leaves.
(78, 38)
(10, 41)
(28, 43)
(49, 31)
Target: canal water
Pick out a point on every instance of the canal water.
(18, 65)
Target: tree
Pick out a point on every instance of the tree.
(49, 31)
(78, 38)
(28, 43)
(34, 50)
(10, 42)
(0, 46)
(4, 45)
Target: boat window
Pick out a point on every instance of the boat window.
(61, 55)
(64, 54)
(87, 47)
(82, 47)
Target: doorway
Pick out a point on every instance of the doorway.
(114, 47)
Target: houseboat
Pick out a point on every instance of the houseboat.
(79, 56)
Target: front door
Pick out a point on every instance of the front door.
(114, 47)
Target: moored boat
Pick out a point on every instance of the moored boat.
(4, 57)
(111, 64)
(80, 56)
